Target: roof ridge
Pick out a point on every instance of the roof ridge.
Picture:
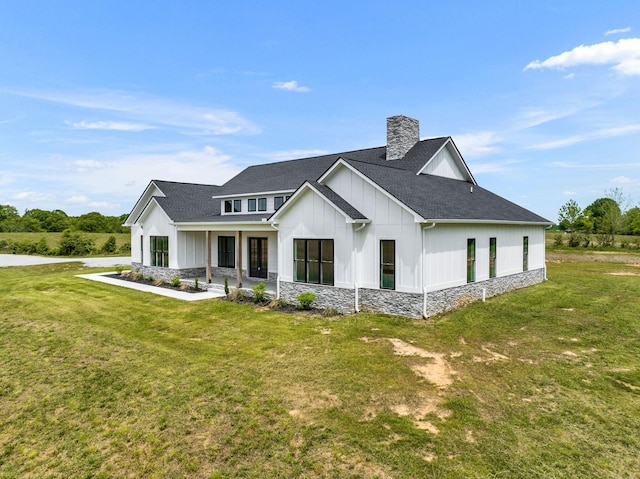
(184, 183)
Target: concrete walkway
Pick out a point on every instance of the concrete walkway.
(93, 262)
(170, 293)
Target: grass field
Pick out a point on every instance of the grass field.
(101, 381)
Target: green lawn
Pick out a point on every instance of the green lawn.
(101, 381)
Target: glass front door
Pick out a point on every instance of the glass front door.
(258, 254)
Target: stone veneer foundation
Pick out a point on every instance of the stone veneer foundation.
(409, 304)
(168, 273)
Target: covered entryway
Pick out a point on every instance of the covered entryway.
(258, 256)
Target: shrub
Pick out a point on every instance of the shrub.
(175, 281)
(330, 312)
(557, 241)
(236, 295)
(109, 246)
(125, 248)
(158, 282)
(574, 240)
(74, 244)
(150, 278)
(259, 292)
(305, 299)
(277, 303)
(196, 282)
(119, 269)
(226, 286)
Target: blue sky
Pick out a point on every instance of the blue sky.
(98, 98)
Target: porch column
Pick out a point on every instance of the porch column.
(239, 258)
(208, 273)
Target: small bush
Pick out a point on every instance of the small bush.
(158, 282)
(226, 286)
(109, 246)
(125, 248)
(236, 295)
(175, 281)
(119, 269)
(329, 312)
(150, 278)
(137, 275)
(558, 241)
(305, 299)
(277, 303)
(259, 291)
(196, 283)
(74, 244)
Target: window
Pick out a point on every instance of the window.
(142, 249)
(277, 202)
(227, 206)
(226, 252)
(387, 264)
(237, 206)
(525, 253)
(492, 257)
(471, 260)
(159, 251)
(251, 204)
(313, 261)
(262, 204)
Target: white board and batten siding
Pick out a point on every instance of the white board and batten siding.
(446, 252)
(154, 222)
(314, 218)
(192, 249)
(389, 221)
(444, 164)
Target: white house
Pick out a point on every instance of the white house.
(400, 229)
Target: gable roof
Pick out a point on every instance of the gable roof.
(436, 198)
(338, 202)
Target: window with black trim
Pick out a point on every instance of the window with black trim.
(159, 251)
(493, 252)
(226, 251)
(228, 206)
(313, 261)
(251, 204)
(387, 264)
(262, 204)
(525, 253)
(277, 202)
(237, 206)
(471, 260)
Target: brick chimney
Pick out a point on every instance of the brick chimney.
(402, 133)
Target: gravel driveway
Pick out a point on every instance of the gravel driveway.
(94, 262)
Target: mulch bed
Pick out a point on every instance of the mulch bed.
(182, 287)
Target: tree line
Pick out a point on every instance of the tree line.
(605, 218)
(56, 221)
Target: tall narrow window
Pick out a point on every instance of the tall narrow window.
(471, 260)
(237, 206)
(226, 251)
(525, 253)
(159, 251)
(227, 206)
(313, 261)
(492, 257)
(251, 204)
(387, 264)
(262, 204)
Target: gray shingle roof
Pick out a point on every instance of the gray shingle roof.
(185, 202)
(339, 201)
(438, 198)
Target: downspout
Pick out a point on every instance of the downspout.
(424, 287)
(545, 250)
(355, 269)
(273, 225)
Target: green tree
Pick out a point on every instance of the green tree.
(632, 221)
(92, 222)
(569, 215)
(9, 218)
(52, 221)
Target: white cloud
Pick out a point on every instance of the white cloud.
(477, 144)
(617, 30)
(33, 196)
(152, 111)
(531, 117)
(86, 165)
(110, 125)
(595, 135)
(569, 193)
(77, 200)
(285, 155)
(290, 86)
(620, 180)
(623, 54)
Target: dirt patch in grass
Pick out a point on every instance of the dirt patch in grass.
(624, 273)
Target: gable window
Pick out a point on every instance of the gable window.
(262, 204)
(237, 206)
(525, 253)
(159, 251)
(471, 260)
(492, 257)
(227, 206)
(387, 264)
(277, 202)
(226, 251)
(251, 204)
(313, 261)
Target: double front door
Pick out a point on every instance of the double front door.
(258, 254)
